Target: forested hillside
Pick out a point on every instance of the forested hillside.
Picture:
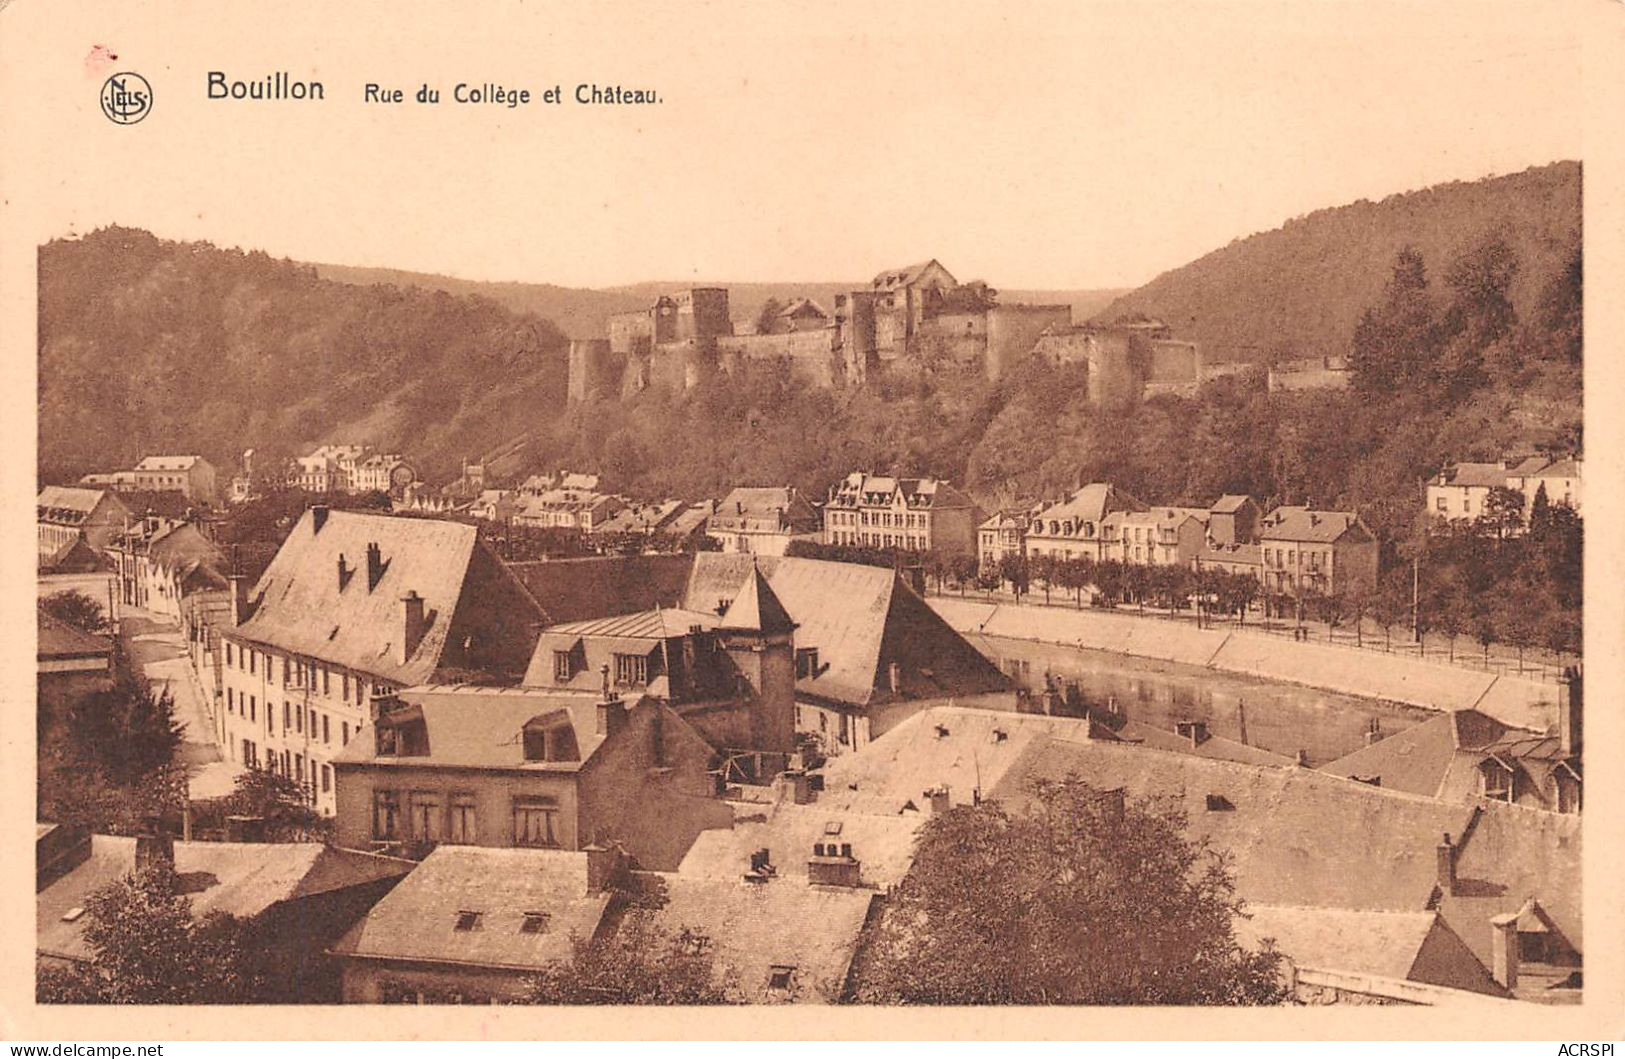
(1297, 291)
(152, 346)
(1466, 343)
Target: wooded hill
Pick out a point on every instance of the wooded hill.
(149, 346)
(1297, 291)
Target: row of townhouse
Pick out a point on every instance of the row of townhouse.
(1462, 491)
(914, 514)
(351, 469)
(1291, 549)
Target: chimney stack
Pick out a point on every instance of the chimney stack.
(1569, 711)
(611, 715)
(832, 864)
(1504, 950)
(1303, 759)
(318, 518)
(940, 802)
(605, 865)
(375, 565)
(154, 851)
(413, 625)
(1446, 852)
(1373, 732)
(239, 599)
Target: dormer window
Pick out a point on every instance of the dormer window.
(467, 921)
(550, 737)
(1497, 780)
(806, 662)
(780, 978)
(403, 733)
(534, 923)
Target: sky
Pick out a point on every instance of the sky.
(1085, 145)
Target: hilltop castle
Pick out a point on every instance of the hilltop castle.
(920, 313)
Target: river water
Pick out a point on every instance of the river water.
(1283, 718)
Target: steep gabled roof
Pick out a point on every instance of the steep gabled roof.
(1092, 503)
(301, 607)
(856, 617)
(1230, 503)
(59, 640)
(757, 609)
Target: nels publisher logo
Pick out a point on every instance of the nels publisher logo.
(126, 98)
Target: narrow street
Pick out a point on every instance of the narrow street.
(154, 645)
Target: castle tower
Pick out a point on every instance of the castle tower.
(759, 637)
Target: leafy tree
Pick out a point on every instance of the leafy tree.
(1013, 570)
(1503, 511)
(639, 963)
(767, 315)
(1392, 339)
(286, 805)
(75, 609)
(1081, 899)
(128, 728)
(147, 948)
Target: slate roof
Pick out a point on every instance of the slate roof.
(1440, 757)
(1341, 939)
(183, 545)
(1312, 526)
(67, 498)
(237, 878)
(1481, 475)
(300, 608)
(1092, 503)
(1508, 855)
(755, 928)
(1229, 503)
(660, 624)
(167, 463)
(883, 842)
(855, 616)
(479, 727)
(417, 920)
(57, 639)
(76, 556)
(756, 608)
(575, 589)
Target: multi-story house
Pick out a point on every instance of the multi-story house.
(1004, 534)
(355, 607)
(1308, 551)
(381, 473)
(914, 514)
(1158, 536)
(191, 476)
(329, 469)
(1084, 525)
(763, 520)
(526, 767)
(1462, 491)
(67, 514)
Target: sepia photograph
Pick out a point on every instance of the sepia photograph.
(738, 507)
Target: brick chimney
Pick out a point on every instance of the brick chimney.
(1446, 852)
(412, 626)
(1504, 949)
(798, 785)
(940, 802)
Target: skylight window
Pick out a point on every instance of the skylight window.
(534, 923)
(469, 920)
